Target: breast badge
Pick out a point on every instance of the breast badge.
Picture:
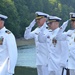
(1, 40)
(54, 41)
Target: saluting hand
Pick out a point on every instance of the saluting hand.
(32, 24)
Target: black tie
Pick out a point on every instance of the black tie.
(62, 71)
(67, 72)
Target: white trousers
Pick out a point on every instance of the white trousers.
(64, 73)
(9, 74)
(42, 70)
(57, 72)
(72, 72)
(4, 68)
(54, 73)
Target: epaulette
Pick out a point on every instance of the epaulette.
(7, 31)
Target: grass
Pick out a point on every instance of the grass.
(22, 42)
(25, 71)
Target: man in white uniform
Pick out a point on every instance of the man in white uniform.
(54, 47)
(8, 49)
(41, 51)
(69, 36)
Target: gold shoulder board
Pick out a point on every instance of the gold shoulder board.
(7, 31)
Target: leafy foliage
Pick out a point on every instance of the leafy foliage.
(22, 12)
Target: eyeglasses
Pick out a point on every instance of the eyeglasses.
(48, 23)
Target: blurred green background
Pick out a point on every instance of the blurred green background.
(25, 71)
(21, 12)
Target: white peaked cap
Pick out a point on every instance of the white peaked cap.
(41, 14)
(54, 18)
(72, 14)
(3, 16)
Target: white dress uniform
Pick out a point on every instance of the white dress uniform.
(54, 48)
(41, 51)
(69, 36)
(54, 52)
(8, 52)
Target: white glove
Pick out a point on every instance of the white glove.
(64, 25)
(32, 24)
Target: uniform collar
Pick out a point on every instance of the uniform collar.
(2, 30)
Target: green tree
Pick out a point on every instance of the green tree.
(7, 7)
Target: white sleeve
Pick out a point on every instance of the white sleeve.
(63, 27)
(61, 36)
(28, 34)
(12, 51)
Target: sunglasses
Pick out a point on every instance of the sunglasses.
(48, 23)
